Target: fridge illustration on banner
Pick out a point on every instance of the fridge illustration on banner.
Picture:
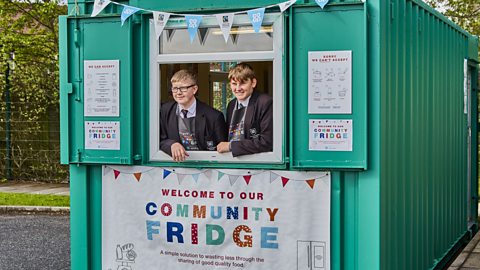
(311, 255)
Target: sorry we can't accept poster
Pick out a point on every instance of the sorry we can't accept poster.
(179, 218)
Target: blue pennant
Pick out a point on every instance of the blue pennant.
(127, 12)
(322, 3)
(193, 22)
(166, 173)
(256, 17)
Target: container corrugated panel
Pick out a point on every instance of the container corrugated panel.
(423, 136)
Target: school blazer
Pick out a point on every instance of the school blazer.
(258, 126)
(209, 126)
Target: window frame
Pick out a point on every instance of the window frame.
(276, 56)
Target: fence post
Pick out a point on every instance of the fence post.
(8, 113)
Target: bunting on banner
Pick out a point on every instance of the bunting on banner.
(116, 173)
(137, 176)
(322, 3)
(208, 173)
(233, 179)
(285, 5)
(106, 170)
(193, 22)
(166, 173)
(160, 19)
(284, 181)
(225, 21)
(311, 183)
(98, 6)
(127, 12)
(256, 18)
(220, 175)
(273, 177)
(181, 177)
(247, 179)
(195, 177)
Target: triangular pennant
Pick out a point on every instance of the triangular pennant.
(256, 18)
(273, 177)
(193, 22)
(137, 175)
(233, 179)
(225, 21)
(220, 175)
(311, 183)
(202, 35)
(98, 6)
(116, 173)
(208, 174)
(166, 173)
(181, 177)
(195, 177)
(284, 181)
(322, 3)
(285, 5)
(247, 179)
(127, 12)
(160, 19)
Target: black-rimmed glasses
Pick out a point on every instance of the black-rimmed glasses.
(182, 89)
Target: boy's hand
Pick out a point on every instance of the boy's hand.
(178, 152)
(223, 147)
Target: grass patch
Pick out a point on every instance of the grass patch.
(33, 199)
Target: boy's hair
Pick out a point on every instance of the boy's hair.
(241, 72)
(184, 75)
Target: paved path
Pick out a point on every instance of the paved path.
(35, 188)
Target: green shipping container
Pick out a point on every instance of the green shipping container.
(404, 189)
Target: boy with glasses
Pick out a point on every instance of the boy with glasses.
(187, 124)
(249, 116)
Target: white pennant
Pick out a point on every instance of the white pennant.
(285, 5)
(225, 21)
(233, 179)
(180, 178)
(98, 6)
(208, 174)
(195, 177)
(106, 170)
(273, 177)
(160, 19)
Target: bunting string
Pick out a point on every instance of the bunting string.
(193, 21)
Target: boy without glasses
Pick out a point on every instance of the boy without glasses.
(249, 116)
(188, 124)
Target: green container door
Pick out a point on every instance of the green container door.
(104, 133)
(336, 31)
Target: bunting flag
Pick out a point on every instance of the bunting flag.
(273, 177)
(311, 183)
(233, 179)
(98, 6)
(284, 181)
(181, 177)
(117, 173)
(322, 3)
(256, 18)
(166, 173)
(225, 21)
(137, 176)
(285, 5)
(208, 173)
(195, 177)
(127, 12)
(220, 175)
(247, 179)
(193, 22)
(106, 170)
(160, 19)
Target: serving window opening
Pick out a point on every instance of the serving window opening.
(211, 59)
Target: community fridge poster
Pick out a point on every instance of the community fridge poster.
(179, 218)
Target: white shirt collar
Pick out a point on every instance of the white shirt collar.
(245, 102)
(192, 110)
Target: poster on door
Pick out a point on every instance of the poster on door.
(330, 82)
(101, 87)
(183, 218)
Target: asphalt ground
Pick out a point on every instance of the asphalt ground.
(34, 242)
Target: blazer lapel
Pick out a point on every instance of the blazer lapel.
(250, 113)
(173, 119)
(200, 123)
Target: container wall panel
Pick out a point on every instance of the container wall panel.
(423, 137)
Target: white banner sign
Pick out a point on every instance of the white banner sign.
(264, 220)
(330, 82)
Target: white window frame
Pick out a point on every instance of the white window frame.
(276, 56)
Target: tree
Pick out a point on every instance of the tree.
(30, 30)
(465, 13)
